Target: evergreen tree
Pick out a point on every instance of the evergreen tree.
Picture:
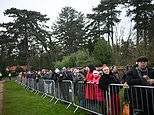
(104, 19)
(102, 53)
(27, 31)
(142, 13)
(68, 30)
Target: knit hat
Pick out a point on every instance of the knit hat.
(105, 67)
(57, 70)
(95, 72)
(91, 67)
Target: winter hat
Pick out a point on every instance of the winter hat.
(76, 70)
(64, 68)
(91, 67)
(57, 70)
(95, 72)
(105, 67)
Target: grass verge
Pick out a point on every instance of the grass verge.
(21, 101)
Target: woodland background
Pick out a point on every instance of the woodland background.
(75, 40)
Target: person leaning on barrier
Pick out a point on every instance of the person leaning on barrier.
(98, 93)
(114, 70)
(141, 75)
(79, 87)
(88, 79)
(128, 68)
(105, 80)
(89, 94)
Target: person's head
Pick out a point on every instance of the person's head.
(128, 67)
(76, 72)
(91, 67)
(142, 62)
(95, 73)
(105, 69)
(57, 71)
(64, 69)
(114, 68)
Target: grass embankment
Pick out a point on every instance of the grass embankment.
(21, 101)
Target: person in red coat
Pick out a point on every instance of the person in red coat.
(99, 94)
(89, 95)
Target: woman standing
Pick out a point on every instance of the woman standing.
(89, 95)
(106, 79)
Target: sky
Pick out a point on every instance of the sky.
(51, 8)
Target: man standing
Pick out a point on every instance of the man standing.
(141, 75)
(141, 98)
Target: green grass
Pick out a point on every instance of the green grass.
(21, 101)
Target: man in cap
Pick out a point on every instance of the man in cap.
(141, 74)
(141, 98)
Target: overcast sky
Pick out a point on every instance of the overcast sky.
(52, 7)
(49, 7)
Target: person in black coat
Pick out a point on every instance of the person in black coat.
(141, 99)
(106, 79)
(141, 74)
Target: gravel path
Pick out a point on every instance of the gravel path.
(1, 96)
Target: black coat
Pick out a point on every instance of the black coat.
(105, 80)
(133, 78)
(140, 97)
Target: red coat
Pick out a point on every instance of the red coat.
(90, 91)
(99, 93)
(89, 77)
(89, 87)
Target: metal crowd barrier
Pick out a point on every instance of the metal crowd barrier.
(65, 92)
(49, 88)
(89, 97)
(30, 82)
(18, 79)
(24, 81)
(115, 99)
(141, 99)
(36, 85)
(40, 83)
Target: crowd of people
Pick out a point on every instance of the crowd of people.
(95, 82)
(101, 78)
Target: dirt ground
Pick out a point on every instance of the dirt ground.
(1, 96)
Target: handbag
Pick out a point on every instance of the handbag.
(126, 105)
(126, 109)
